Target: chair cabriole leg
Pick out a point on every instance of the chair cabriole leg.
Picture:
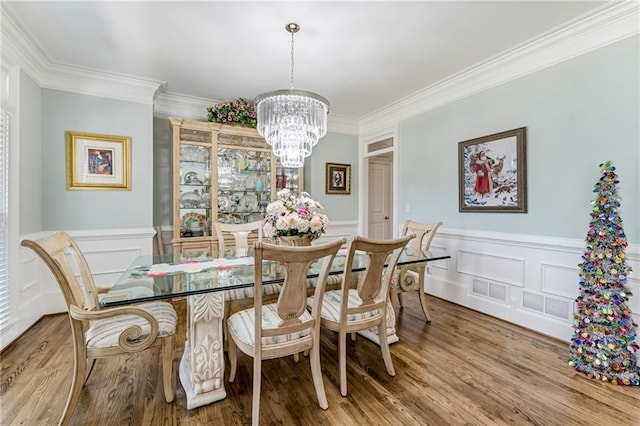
(79, 375)
(316, 372)
(384, 347)
(342, 348)
(257, 382)
(167, 368)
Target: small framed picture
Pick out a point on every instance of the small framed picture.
(98, 162)
(338, 178)
(492, 173)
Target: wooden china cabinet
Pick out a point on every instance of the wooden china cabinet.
(221, 173)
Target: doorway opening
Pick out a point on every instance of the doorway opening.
(380, 195)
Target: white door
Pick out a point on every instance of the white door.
(380, 196)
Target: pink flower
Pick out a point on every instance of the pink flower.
(290, 215)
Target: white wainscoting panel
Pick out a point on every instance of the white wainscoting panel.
(109, 253)
(527, 280)
(500, 268)
(634, 300)
(559, 280)
(339, 229)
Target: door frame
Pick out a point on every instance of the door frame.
(363, 205)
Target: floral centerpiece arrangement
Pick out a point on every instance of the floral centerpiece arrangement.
(238, 111)
(291, 216)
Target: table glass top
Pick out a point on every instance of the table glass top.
(161, 277)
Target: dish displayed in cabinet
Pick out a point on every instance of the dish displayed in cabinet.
(250, 182)
(254, 217)
(230, 218)
(224, 203)
(248, 203)
(194, 223)
(192, 178)
(191, 200)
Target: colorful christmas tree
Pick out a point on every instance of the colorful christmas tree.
(604, 344)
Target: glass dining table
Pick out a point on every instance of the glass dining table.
(203, 282)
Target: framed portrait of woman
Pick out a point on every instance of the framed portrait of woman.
(98, 162)
(337, 178)
(492, 173)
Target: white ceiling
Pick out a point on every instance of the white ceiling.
(361, 55)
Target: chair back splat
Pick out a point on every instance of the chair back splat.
(424, 233)
(240, 233)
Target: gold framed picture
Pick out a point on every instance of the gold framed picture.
(338, 178)
(98, 162)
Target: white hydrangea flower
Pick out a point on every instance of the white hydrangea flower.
(290, 215)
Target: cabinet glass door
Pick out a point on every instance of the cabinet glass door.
(244, 184)
(195, 190)
(289, 178)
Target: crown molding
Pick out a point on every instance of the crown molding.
(99, 83)
(18, 49)
(609, 24)
(343, 124)
(177, 105)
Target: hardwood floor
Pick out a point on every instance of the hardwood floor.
(463, 368)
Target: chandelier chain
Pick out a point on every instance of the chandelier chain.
(292, 34)
(291, 121)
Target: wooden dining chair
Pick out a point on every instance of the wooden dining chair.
(243, 234)
(101, 333)
(351, 309)
(411, 277)
(159, 240)
(286, 327)
(240, 233)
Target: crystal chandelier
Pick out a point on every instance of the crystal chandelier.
(292, 121)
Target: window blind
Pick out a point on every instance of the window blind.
(5, 119)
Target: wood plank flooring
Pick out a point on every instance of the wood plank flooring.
(465, 368)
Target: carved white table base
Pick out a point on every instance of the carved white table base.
(202, 364)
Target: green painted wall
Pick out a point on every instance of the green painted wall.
(30, 153)
(76, 210)
(578, 114)
(334, 148)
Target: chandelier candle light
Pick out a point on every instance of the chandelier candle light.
(292, 121)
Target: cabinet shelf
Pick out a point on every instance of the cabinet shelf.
(244, 213)
(200, 207)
